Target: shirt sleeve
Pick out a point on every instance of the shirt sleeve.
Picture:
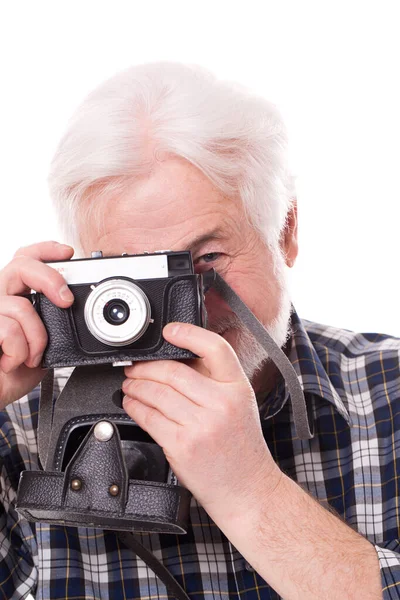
(17, 570)
(18, 573)
(389, 563)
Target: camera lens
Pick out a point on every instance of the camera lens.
(116, 312)
(117, 302)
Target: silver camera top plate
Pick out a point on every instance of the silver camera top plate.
(153, 266)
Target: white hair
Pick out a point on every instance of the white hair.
(238, 140)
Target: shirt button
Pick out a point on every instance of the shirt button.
(248, 567)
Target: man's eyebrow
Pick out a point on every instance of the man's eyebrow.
(196, 243)
(193, 246)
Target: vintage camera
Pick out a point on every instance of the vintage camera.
(100, 468)
(121, 306)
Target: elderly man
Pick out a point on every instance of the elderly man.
(166, 156)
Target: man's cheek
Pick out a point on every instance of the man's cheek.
(216, 307)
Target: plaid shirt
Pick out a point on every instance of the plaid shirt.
(352, 382)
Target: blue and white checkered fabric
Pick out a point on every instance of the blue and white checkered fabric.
(352, 384)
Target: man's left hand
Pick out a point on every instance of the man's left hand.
(205, 417)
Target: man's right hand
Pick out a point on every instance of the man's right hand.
(23, 336)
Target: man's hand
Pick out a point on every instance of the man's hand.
(23, 336)
(205, 417)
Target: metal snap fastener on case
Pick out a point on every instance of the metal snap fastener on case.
(76, 484)
(113, 490)
(103, 431)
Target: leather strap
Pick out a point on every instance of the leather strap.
(300, 416)
(45, 419)
(129, 540)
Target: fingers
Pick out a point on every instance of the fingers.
(165, 399)
(161, 429)
(46, 251)
(218, 356)
(26, 271)
(198, 365)
(179, 376)
(13, 343)
(21, 311)
(23, 336)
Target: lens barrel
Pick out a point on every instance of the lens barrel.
(116, 312)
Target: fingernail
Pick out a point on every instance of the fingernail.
(37, 360)
(173, 330)
(66, 294)
(126, 400)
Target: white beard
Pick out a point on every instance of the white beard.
(252, 356)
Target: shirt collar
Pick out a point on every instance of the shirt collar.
(310, 371)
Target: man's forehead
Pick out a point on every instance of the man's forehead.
(176, 207)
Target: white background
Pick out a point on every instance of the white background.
(332, 68)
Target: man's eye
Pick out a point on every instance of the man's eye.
(207, 258)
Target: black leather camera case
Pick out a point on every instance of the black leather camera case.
(176, 299)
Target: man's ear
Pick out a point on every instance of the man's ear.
(289, 243)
